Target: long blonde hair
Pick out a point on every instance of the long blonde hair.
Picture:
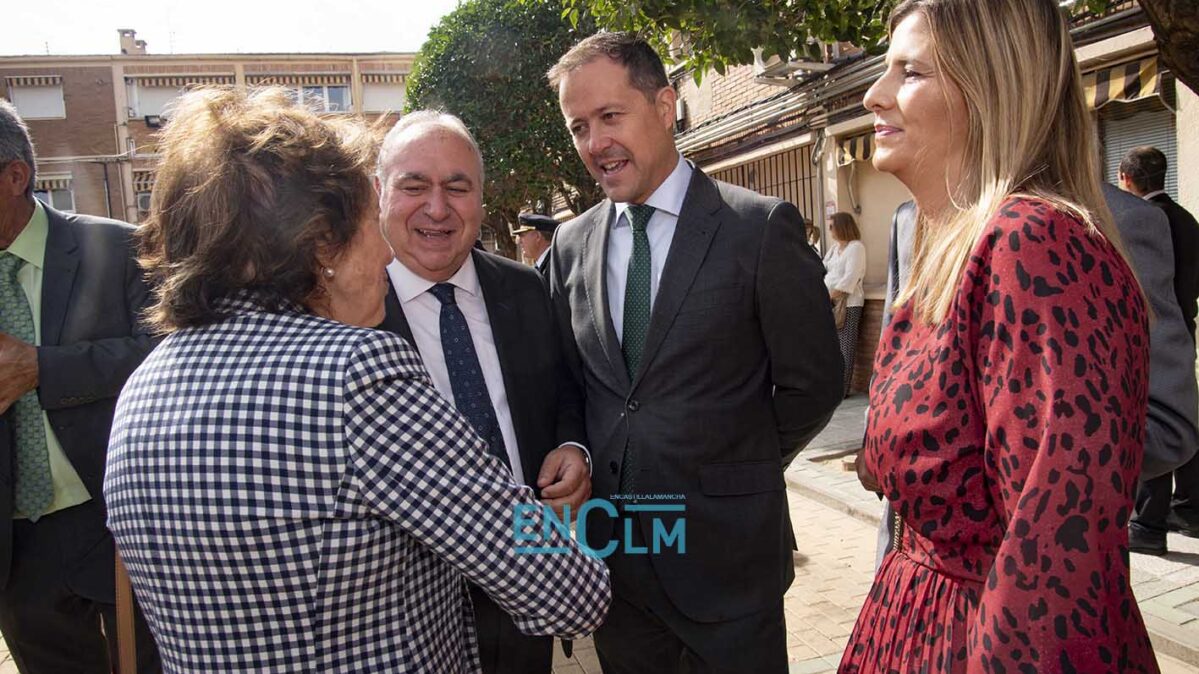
(1029, 133)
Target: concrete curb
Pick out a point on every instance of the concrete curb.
(832, 499)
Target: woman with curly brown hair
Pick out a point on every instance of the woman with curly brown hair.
(286, 487)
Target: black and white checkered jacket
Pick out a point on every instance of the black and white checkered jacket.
(290, 494)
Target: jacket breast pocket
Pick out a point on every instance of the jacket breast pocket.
(711, 298)
(740, 479)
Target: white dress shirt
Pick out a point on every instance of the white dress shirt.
(541, 258)
(423, 312)
(667, 201)
(1149, 195)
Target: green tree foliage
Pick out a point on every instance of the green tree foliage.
(485, 62)
(714, 34)
(719, 33)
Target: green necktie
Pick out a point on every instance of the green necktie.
(636, 321)
(34, 489)
(636, 290)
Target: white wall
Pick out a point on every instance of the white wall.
(1186, 122)
(877, 195)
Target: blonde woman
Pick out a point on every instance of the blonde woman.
(845, 267)
(1007, 413)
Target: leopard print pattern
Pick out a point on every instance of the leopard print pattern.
(1009, 440)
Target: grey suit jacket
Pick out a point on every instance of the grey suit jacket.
(740, 366)
(899, 254)
(1172, 431)
(93, 295)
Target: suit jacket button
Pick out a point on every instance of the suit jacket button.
(614, 466)
(634, 406)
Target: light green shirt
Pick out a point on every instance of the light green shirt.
(30, 246)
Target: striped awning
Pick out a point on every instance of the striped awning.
(45, 183)
(855, 148)
(1125, 82)
(143, 180)
(302, 80)
(34, 80)
(383, 78)
(178, 81)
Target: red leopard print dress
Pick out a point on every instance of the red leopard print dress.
(1009, 440)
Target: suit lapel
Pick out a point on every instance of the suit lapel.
(394, 319)
(504, 316)
(504, 319)
(697, 225)
(61, 263)
(595, 254)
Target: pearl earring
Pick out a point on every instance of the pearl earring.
(328, 272)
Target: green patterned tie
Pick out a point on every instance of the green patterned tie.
(636, 320)
(636, 290)
(34, 490)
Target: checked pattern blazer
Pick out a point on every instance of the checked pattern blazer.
(291, 494)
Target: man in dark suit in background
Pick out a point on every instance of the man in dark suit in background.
(484, 328)
(71, 295)
(1143, 174)
(696, 316)
(533, 237)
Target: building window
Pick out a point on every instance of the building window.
(326, 98)
(152, 100)
(55, 192)
(382, 97)
(40, 100)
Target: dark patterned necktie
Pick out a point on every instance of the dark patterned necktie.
(637, 290)
(466, 374)
(34, 489)
(636, 319)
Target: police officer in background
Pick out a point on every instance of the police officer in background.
(533, 237)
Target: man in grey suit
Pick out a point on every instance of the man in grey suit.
(1172, 432)
(71, 295)
(704, 338)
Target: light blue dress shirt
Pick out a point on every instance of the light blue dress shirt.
(667, 201)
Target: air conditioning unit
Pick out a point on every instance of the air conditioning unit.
(143, 202)
(771, 70)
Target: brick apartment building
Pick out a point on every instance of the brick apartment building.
(93, 118)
